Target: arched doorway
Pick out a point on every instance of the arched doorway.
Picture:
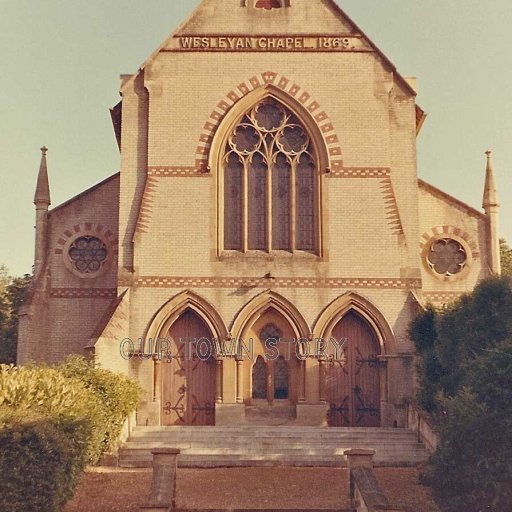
(273, 373)
(352, 375)
(188, 373)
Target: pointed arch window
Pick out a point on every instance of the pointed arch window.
(270, 182)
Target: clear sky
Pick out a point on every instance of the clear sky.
(61, 61)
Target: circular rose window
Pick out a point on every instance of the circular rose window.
(87, 254)
(446, 257)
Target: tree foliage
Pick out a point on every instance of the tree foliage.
(13, 291)
(465, 372)
(506, 258)
(448, 341)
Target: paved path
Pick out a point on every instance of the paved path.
(114, 490)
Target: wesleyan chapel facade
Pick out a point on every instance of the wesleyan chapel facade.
(268, 191)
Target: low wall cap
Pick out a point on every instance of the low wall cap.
(165, 451)
(359, 451)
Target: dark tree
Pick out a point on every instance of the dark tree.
(12, 296)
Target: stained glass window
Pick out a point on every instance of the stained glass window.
(281, 379)
(259, 379)
(271, 152)
(233, 186)
(270, 331)
(446, 257)
(88, 254)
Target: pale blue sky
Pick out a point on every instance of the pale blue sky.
(61, 61)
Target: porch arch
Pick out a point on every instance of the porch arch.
(176, 306)
(262, 303)
(351, 301)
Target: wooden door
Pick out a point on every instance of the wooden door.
(352, 382)
(188, 382)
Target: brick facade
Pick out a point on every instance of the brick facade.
(161, 228)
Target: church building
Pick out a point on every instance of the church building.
(267, 241)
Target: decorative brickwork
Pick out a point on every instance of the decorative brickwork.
(383, 173)
(146, 206)
(361, 172)
(176, 172)
(392, 212)
(83, 293)
(270, 78)
(440, 298)
(295, 282)
(89, 228)
(445, 232)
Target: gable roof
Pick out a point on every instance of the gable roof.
(201, 16)
(453, 201)
(85, 192)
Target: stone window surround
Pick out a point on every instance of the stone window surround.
(442, 277)
(69, 264)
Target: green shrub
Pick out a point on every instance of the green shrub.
(465, 368)
(118, 394)
(54, 421)
(46, 391)
(41, 460)
(448, 341)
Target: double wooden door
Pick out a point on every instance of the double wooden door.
(188, 374)
(352, 381)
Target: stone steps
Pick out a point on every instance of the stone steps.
(267, 446)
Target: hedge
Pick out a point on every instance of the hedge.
(41, 460)
(53, 422)
(118, 395)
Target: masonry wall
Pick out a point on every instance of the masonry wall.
(162, 212)
(74, 304)
(442, 216)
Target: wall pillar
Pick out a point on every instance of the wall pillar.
(302, 381)
(239, 380)
(321, 379)
(163, 486)
(219, 365)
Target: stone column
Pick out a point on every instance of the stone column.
(321, 377)
(239, 380)
(302, 381)
(218, 379)
(157, 379)
(163, 486)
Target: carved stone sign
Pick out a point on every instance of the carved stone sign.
(268, 43)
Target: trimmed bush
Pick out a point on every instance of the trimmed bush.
(48, 392)
(54, 421)
(41, 460)
(118, 395)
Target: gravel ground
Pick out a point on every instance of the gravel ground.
(121, 490)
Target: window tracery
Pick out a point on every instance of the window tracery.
(88, 254)
(446, 257)
(270, 171)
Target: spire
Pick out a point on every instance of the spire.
(490, 192)
(42, 195)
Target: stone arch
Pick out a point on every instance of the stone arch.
(262, 303)
(171, 310)
(351, 301)
(285, 90)
(226, 126)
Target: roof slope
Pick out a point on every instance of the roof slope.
(305, 17)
